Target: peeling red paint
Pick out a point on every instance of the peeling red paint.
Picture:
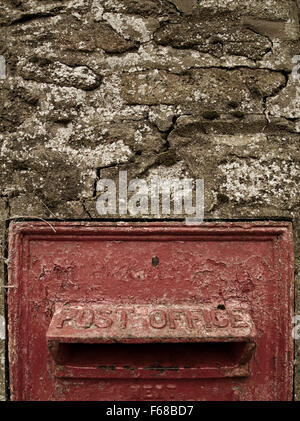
(100, 311)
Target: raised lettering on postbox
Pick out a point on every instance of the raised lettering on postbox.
(150, 318)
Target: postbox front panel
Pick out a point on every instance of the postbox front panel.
(150, 311)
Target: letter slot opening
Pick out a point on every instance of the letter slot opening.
(146, 360)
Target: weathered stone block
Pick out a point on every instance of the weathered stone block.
(287, 102)
(40, 70)
(214, 37)
(207, 88)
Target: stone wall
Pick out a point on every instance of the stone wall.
(172, 88)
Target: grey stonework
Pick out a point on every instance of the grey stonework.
(175, 88)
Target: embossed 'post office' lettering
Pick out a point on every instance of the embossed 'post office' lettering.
(236, 319)
(85, 318)
(218, 318)
(103, 319)
(172, 318)
(207, 319)
(124, 317)
(158, 319)
(66, 315)
(192, 317)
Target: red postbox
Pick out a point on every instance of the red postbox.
(150, 311)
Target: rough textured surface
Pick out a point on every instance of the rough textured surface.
(171, 88)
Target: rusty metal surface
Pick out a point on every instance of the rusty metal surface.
(150, 311)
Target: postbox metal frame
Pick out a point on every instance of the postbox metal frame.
(22, 233)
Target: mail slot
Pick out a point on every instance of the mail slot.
(157, 311)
